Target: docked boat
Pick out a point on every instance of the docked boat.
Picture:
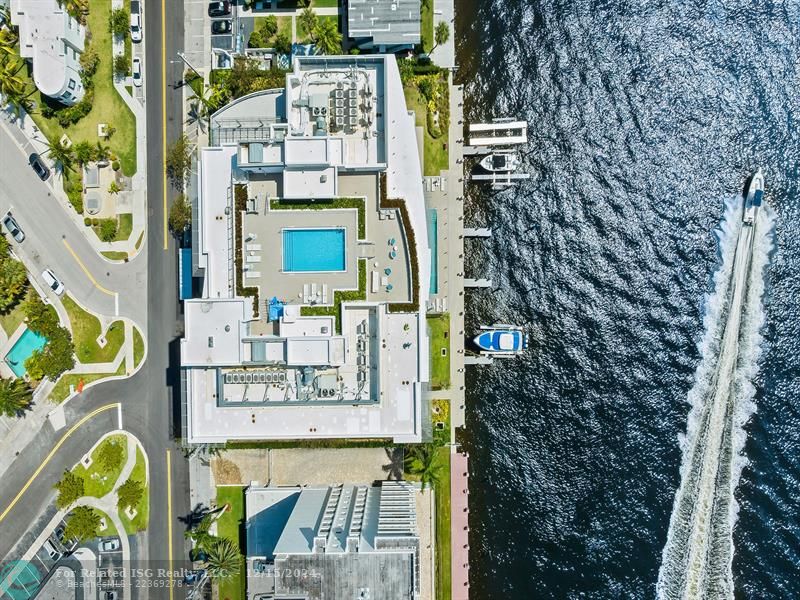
(500, 162)
(501, 340)
(753, 198)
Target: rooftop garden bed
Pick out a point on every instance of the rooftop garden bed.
(240, 201)
(411, 244)
(328, 204)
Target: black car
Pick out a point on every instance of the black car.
(219, 9)
(221, 26)
(37, 164)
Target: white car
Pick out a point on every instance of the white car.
(136, 27)
(109, 545)
(53, 282)
(136, 70)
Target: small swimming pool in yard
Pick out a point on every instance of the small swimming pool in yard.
(314, 250)
(28, 343)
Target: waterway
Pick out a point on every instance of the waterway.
(645, 118)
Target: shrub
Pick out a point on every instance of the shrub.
(13, 278)
(115, 165)
(283, 44)
(119, 22)
(108, 230)
(89, 60)
(121, 65)
(87, 221)
(72, 114)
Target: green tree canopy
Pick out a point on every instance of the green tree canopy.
(119, 22)
(70, 488)
(13, 278)
(423, 460)
(283, 44)
(62, 156)
(57, 356)
(15, 397)
(129, 494)
(223, 558)
(83, 523)
(179, 161)
(441, 34)
(111, 454)
(308, 21)
(180, 215)
(327, 37)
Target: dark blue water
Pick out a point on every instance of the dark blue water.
(644, 117)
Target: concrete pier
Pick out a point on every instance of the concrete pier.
(477, 283)
(477, 232)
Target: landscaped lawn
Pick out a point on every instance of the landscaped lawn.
(142, 517)
(440, 340)
(110, 529)
(229, 526)
(124, 226)
(60, 390)
(114, 255)
(426, 16)
(304, 36)
(284, 25)
(86, 330)
(12, 319)
(324, 3)
(108, 106)
(138, 347)
(435, 156)
(443, 541)
(98, 481)
(440, 413)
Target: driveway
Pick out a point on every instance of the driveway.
(53, 240)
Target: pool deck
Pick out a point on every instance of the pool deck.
(5, 370)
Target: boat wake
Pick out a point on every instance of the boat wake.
(697, 558)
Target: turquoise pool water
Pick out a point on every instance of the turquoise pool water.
(26, 345)
(433, 242)
(313, 250)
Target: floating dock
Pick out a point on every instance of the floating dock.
(477, 232)
(498, 133)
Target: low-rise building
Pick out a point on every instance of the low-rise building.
(53, 41)
(384, 25)
(347, 541)
(310, 240)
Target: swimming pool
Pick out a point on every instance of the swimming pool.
(22, 349)
(313, 250)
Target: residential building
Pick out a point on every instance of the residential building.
(53, 41)
(347, 541)
(384, 25)
(310, 241)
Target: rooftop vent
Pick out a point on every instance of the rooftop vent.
(211, 341)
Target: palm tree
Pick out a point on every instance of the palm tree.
(84, 152)
(62, 156)
(20, 100)
(441, 34)
(223, 558)
(10, 80)
(394, 468)
(423, 460)
(308, 20)
(327, 37)
(15, 397)
(8, 41)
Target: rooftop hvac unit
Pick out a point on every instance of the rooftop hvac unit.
(339, 102)
(352, 92)
(353, 112)
(339, 121)
(339, 112)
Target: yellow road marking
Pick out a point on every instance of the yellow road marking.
(52, 453)
(164, 118)
(86, 271)
(169, 520)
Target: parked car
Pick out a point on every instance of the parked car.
(51, 550)
(219, 9)
(221, 26)
(52, 281)
(194, 576)
(13, 228)
(136, 27)
(109, 545)
(37, 164)
(136, 70)
(110, 596)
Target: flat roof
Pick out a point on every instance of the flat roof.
(213, 331)
(313, 351)
(216, 168)
(387, 22)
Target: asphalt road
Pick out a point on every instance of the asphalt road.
(149, 399)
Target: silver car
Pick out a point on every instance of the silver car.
(13, 228)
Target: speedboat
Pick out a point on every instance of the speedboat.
(753, 198)
(500, 162)
(501, 340)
